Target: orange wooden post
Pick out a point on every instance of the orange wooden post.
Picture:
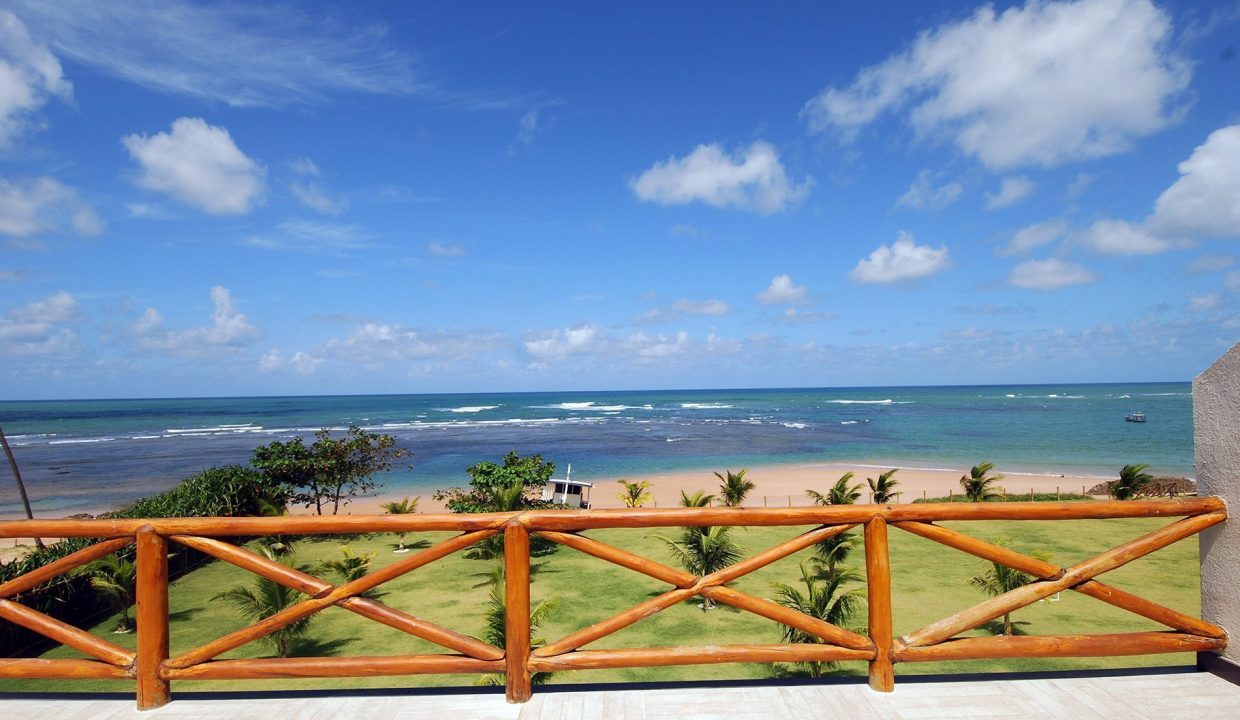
(878, 581)
(152, 597)
(517, 612)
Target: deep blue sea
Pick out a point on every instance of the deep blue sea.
(87, 455)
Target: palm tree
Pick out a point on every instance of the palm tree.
(843, 492)
(697, 499)
(115, 577)
(348, 568)
(264, 599)
(1000, 579)
(823, 599)
(734, 487)
(1132, 481)
(883, 491)
(704, 550)
(403, 507)
(835, 550)
(494, 625)
(635, 494)
(17, 477)
(500, 498)
(979, 487)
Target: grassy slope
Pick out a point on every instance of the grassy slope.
(930, 582)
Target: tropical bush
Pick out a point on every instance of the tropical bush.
(332, 472)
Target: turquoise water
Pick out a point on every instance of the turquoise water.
(95, 454)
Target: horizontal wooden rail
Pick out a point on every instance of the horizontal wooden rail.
(153, 669)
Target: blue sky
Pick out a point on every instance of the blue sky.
(240, 199)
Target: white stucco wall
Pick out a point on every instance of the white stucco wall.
(1216, 431)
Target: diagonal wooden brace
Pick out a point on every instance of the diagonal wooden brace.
(65, 634)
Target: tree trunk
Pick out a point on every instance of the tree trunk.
(1007, 623)
(17, 476)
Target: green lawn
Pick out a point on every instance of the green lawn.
(930, 582)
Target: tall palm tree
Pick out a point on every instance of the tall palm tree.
(495, 624)
(1132, 481)
(704, 550)
(835, 550)
(115, 578)
(978, 485)
(883, 491)
(1000, 579)
(405, 506)
(21, 486)
(264, 599)
(734, 487)
(697, 499)
(635, 494)
(825, 599)
(843, 492)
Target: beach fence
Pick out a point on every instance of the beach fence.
(155, 670)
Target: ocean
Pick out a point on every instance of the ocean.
(90, 455)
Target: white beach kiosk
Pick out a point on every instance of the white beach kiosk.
(567, 491)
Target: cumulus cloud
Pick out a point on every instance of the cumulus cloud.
(441, 249)
(1211, 263)
(228, 331)
(1012, 191)
(682, 308)
(558, 344)
(1204, 303)
(241, 54)
(782, 291)
(40, 328)
(902, 260)
(1049, 274)
(924, 195)
(1205, 200)
(1042, 84)
(41, 205)
(377, 343)
(30, 76)
(752, 179)
(1034, 236)
(300, 363)
(200, 165)
(1116, 237)
(797, 316)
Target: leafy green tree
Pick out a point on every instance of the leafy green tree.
(843, 492)
(404, 506)
(734, 487)
(331, 472)
(635, 494)
(979, 485)
(884, 490)
(999, 579)
(115, 578)
(262, 600)
(824, 598)
(835, 550)
(517, 484)
(1133, 480)
(704, 550)
(495, 625)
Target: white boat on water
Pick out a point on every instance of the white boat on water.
(1135, 417)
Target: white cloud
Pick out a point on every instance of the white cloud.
(229, 330)
(1035, 236)
(309, 192)
(650, 347)
(1211, 263)
(440, 249)
(682, 308)
(44, 205)
(902, 260)
(795, 316)
(923, 195)
(12, 275)
(557, 344)
(1049, 274)
(1013, 190)
(752, 179)
(688, 230)
(314, 236)
(782, 291)
(1116, 237)
(376, 344)
(526, 127)
(30, 76)
(40, 327)
(1204, 303)
(1231, 282)
(199, 164)
(1205, 201)
(241, 54)
(1042, 84)
(300, 363)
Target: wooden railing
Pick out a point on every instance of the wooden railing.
(153, 668)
